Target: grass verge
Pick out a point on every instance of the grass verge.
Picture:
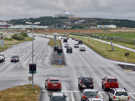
(11, 42)
(20, 93)
(52, 43)
(106, 50)
(123, 38)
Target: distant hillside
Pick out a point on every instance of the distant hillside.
(74, 23)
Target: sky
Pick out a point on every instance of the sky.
(119, 9)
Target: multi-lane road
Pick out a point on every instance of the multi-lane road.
(86, 63)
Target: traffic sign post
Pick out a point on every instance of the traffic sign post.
(32, 70)
(126, 55)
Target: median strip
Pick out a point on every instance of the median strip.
(20, 93)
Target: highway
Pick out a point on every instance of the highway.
(79, 64)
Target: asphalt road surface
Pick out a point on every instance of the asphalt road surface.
(78, 64)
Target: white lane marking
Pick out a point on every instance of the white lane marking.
(69, 91)
(131, 95)
(72, 96)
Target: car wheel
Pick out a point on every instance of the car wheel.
(110, 99)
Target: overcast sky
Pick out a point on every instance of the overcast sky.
(120, 9)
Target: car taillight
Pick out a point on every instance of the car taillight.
(128, 97)
(114, 97)
(84, 97)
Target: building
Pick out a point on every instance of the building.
(106, 26)
(4, 24)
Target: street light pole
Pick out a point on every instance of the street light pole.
(36, 23)
(32, 56)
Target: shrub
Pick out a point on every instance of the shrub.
(24, 34)
(18, 37)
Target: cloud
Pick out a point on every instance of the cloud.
(87, 8)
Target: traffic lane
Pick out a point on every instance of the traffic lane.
(17, 73)
(109, 69)
(79, 68)
(104, 67)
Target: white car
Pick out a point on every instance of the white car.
(118, 94)
(58, 97)
(2, 58)
(82, 48)
(96, 99)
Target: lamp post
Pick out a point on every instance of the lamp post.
(32, 67)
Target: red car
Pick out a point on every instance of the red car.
(109, 82)
(53, 84)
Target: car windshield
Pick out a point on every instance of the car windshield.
(14, 56)
(58, 98)
(112, 80)
(54, 81)
(91, 94)
(121, 94)
(87, 80)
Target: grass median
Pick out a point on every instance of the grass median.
(10, 42)
(52, 43)
(20, 93)
(106, 50)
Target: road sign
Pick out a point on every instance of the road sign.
(32, 68)
(30, 78)
(2, 43)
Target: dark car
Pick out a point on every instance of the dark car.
(85, 83)
(69, 50)
(58, 97)
(65, 40)
(56, 48)
(53, 84)
(15, 59)
(2, 58)
(76, 46)
(80, 42)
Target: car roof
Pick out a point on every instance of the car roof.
(15, 56)
(85, 78)
(53, 79)
(110, 77)
(120, 89)
(57, 94)
(92, 90)
(97, 99)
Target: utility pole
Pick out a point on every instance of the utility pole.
(32, 66)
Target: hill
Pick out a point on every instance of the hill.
(74, 22)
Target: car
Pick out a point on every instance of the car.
(15, 59)
(66, 45)
(109, 82)
(2, 58)
(118, 94)
(82, 48)
(65, 40)
(55, 48)
(89, 94)
(53, 84)
(80, 42)
(59, 50)
(58, 96)
(76, 46)
(97, 99)
(85, 83)
(69, 50)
